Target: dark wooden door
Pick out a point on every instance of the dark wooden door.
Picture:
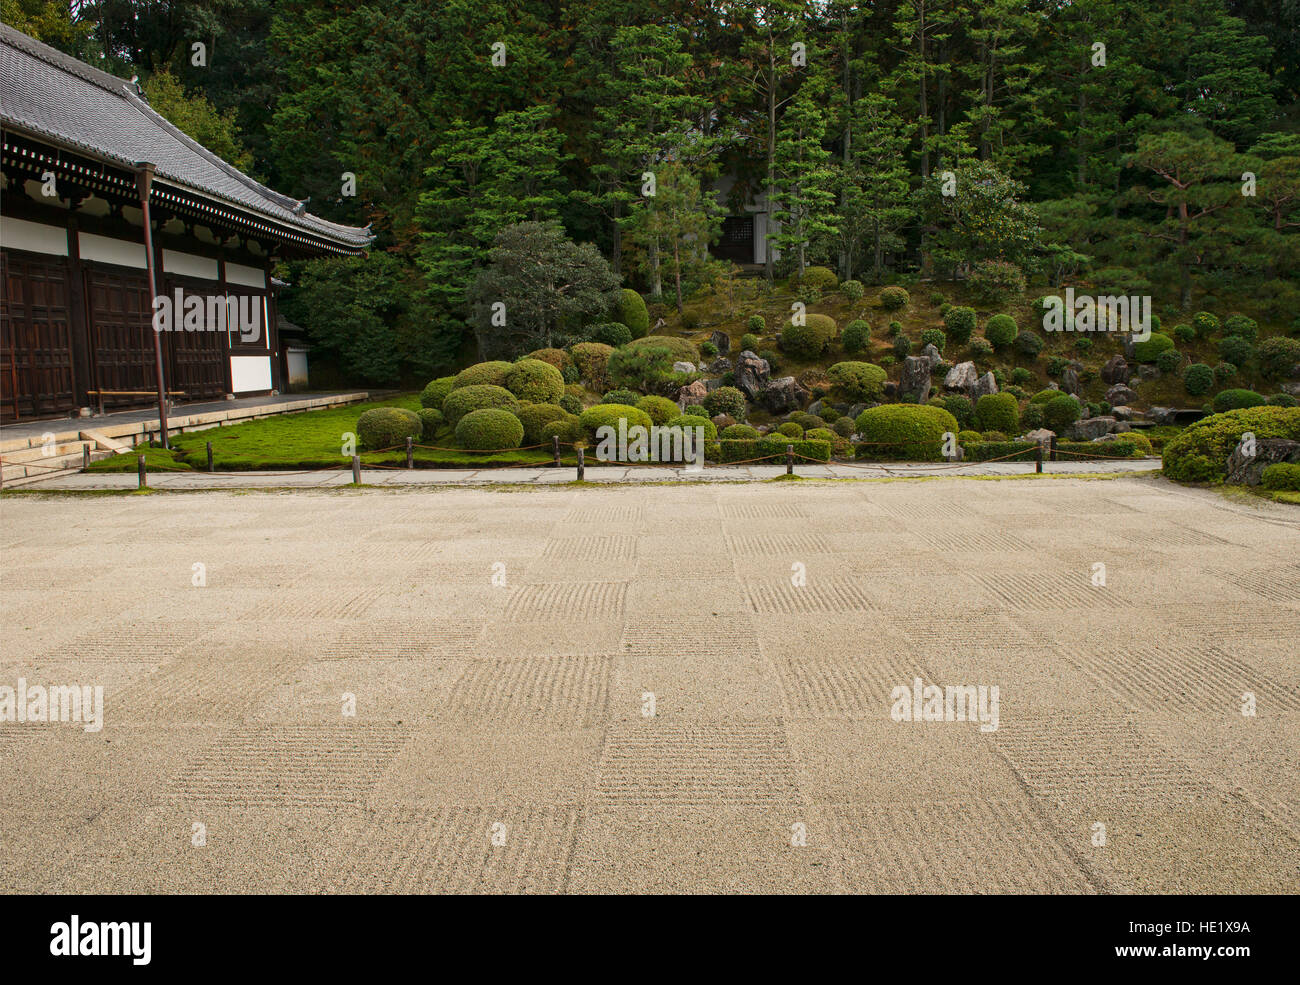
(121, 334)
(36, 367)
(197, 361)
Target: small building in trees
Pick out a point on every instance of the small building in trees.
(84, 158)
(746, 224)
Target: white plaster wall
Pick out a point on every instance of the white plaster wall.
(105, 250)
(190, 265)
(250, 373)
(237, 273)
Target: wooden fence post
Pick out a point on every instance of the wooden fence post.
(410, 452)
(789, 459)
(356, 469)
(582, 468)
(140, 470)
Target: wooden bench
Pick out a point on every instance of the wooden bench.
(101, 394)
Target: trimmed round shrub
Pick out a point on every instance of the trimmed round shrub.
(1042, 396)
(1184, 333)
(1282, 400)
(1200, 452)
(773, 359)
(1205, 324)
(1236, 400)
(829, 414)
(492, 373)
(998, 412)
(791, 430)
(463, 400)
(894, 329)
(727, 400)
(436, 392)
(556, 357)
(858, 381)
(691, 319)
(621, 396)
(1236, 350)
(1147, 350)
(1198, 378)
(489, 430)
(571, 404)
(384, 427)
(819, 279)
(995, 281)
(1031, 417)
(693, 421)
(1029, 343)
(431, 421)
(661, 409)
(809, 340)
(749, 343)
(1060, 412)
(1001, 331)
(632, 312)
(902, 347)
(707, 349)
(1241, 326)
(601, 415)
(682, 350)
(535, 381)
(857, 335)
(1224, 371)
(534, 417)
(936, 337)
(1277, 356)
(853, 289)
(804, 419)
(959, 407)
(968, 437)
(995, 436)
(1169, 361)
(843, 426)
(1281, 475)
(611, 333)
(566, 428)
(738, 432)
(893, 298)
(908, 431)
(756, 324)
(592, 360)
(1020, 376)
(960, 323)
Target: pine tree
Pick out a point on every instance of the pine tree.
(803, 177)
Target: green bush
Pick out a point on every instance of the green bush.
(936, 337)
(621, 397)
(692, 421)
(491, 373)
(1184, 333)
(902, 347)
(809, 340)
(490, 430)
(707, 349)
(746, 450)
(682, 350)
(601, 415)
(853, 289)
(843, 426)
(1236, 350)
(1001, 331)
(611, 333)
(858, 381)
(967, 437)
(566, 428)
(1169, 361)
(819, 279)
(645, 369)
(1277, 356)
(1200, 452)
(534, 417)
(1147, 350)
(960, 323)
(1281, 475)
(571, 404)
(1205, 324)
(893, 298)
(1237, 400)
(464, 399)
(790, 429)
(385, 427)
(436, 392)
(1060, 412)
(998, 412)
(804, 419)
(1224, 371)
(995, 281)
(756, 325)
(961, 408)
(592, 361)
(994, 436)
(857, 335)
(1031, 417)
(1198, 379)
(1241, 326)
(1020, 376)
(661, 409)
(906, 431)
(727, 400)
(691, 319)
(1029, 343)
(535, 381)
(631, 311)
(1282, 400)
(983, 451)
(431, 422)
(739, 432)
(556, 357)
(829, 414)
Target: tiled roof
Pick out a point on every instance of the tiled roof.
(46, 93)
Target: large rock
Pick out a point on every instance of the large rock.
(961, 377)
(752, 374)
(915, 384)
(722, 340)
(1070, 380)
(1091, 428)
(1148, 372)
(1119, 395)
(1162, 415)
(692, 393)
(1268, 451)
(683, 367)
(719, 366)
(932, 353)
(784, 395)
(1115, 371)
(1040, 436)
(712, 384)
(985, 385)
(1124, 413)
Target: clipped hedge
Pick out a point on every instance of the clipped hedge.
(436, 392)
(893, 298)
(904, 431)
(858, 381)
(739, 432)
(1001, 331)
(384, 427)
(601, 415)
(431, 422)
(1237, 400)
(820, 278)
(1200, 453)
(536, 381)
(809, 340)
(743, 450)
(661, 409)
(960, 323)
(611, 333)
(591, 359)
(857, 336)
(492, 373)
(1282, 475)
(727, 400)
(632, 312)
(465, 399)
(490, 430)
(1147, 350)
(556, 357)
(998, 412)
(534, 417)
(692, 421)
(682, 350)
